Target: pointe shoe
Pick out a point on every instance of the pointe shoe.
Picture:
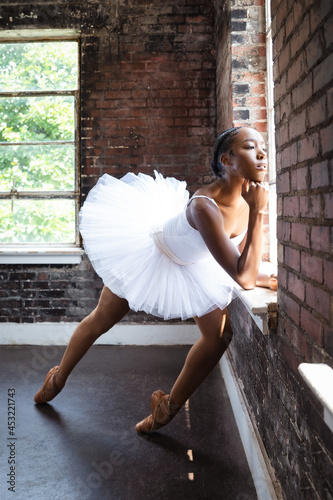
(163, 410)
(50, 388)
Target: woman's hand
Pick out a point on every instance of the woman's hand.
(273, 282)
(256, 195)
(267, 277)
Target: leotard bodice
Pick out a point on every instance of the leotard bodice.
(185, 242)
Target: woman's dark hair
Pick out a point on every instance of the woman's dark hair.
(222, 145)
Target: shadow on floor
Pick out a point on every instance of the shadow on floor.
(83, 444)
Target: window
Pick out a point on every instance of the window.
(39, 96)
(271, 135)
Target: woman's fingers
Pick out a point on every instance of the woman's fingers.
(273, 282)
(256, 194)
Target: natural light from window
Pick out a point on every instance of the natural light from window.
(38, 154)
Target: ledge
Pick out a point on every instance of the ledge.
(56, 334)
(319, 378)
(42, 255)
(261, 303)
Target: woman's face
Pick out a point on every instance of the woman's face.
(248, 155)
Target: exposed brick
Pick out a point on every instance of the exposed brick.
(305, 349)
(318, 300)
(238, 13)
(328, 340)
(312, 267)
(320, 238)
(314, 50)
(238, 25)
(289, 156)
(328, 34)
(301, 34)
(328, 274)
(298, 123)
(310, 206)
(318, 12)
(291, 206)
(284, 58)
(292, 258)
(328, 210)
(319, 175)
(312, 326)
(308, 148)
(300, 234)
(283, 230)
(282, 136)
(303, 92)
(317, 112)
(299, 179)
(297, 71)
(323, 73)
(296, 286)
(282, 277)
(326, 136)
(291, 357)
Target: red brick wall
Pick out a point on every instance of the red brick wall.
(249, 63)
(303, 62)
(288, 416)
(147, 102)
(303, 97)
(241, 64)
(223, 66)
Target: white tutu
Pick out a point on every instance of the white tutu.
(115, 222)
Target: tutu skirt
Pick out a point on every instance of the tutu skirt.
(115, 223)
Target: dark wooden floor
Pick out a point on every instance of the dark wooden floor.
(83, 444)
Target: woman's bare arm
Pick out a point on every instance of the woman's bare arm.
(243, 267)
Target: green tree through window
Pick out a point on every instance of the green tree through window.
(38, 110)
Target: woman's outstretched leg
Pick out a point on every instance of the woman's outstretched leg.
(109, 311)
(216, 334)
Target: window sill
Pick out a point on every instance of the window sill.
(261, 303)
(43, 255)
(319, 378)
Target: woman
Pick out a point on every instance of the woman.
(171, 257)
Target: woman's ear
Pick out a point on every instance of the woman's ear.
(226, 160)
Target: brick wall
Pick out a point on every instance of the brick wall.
(241, 64)
(303, 58)
(249, 63)
(303, 95)
(147, 102)
(223, 66)
(289, 418)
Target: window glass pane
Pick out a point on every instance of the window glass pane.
(37, 221)
(38, 66)
(25, 119)
(37, 167)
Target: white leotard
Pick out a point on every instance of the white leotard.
(181, 242)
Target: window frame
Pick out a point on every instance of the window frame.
(271, 135)
(38, 252)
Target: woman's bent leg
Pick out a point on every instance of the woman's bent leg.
(216, 334)
(202, 358)
(109, 311)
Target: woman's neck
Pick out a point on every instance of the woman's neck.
(226, 192)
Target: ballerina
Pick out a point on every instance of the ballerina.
(160, 252)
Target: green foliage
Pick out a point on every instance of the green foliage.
(38, 66)
(37, 119)
(37, 167)
(44, 221)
